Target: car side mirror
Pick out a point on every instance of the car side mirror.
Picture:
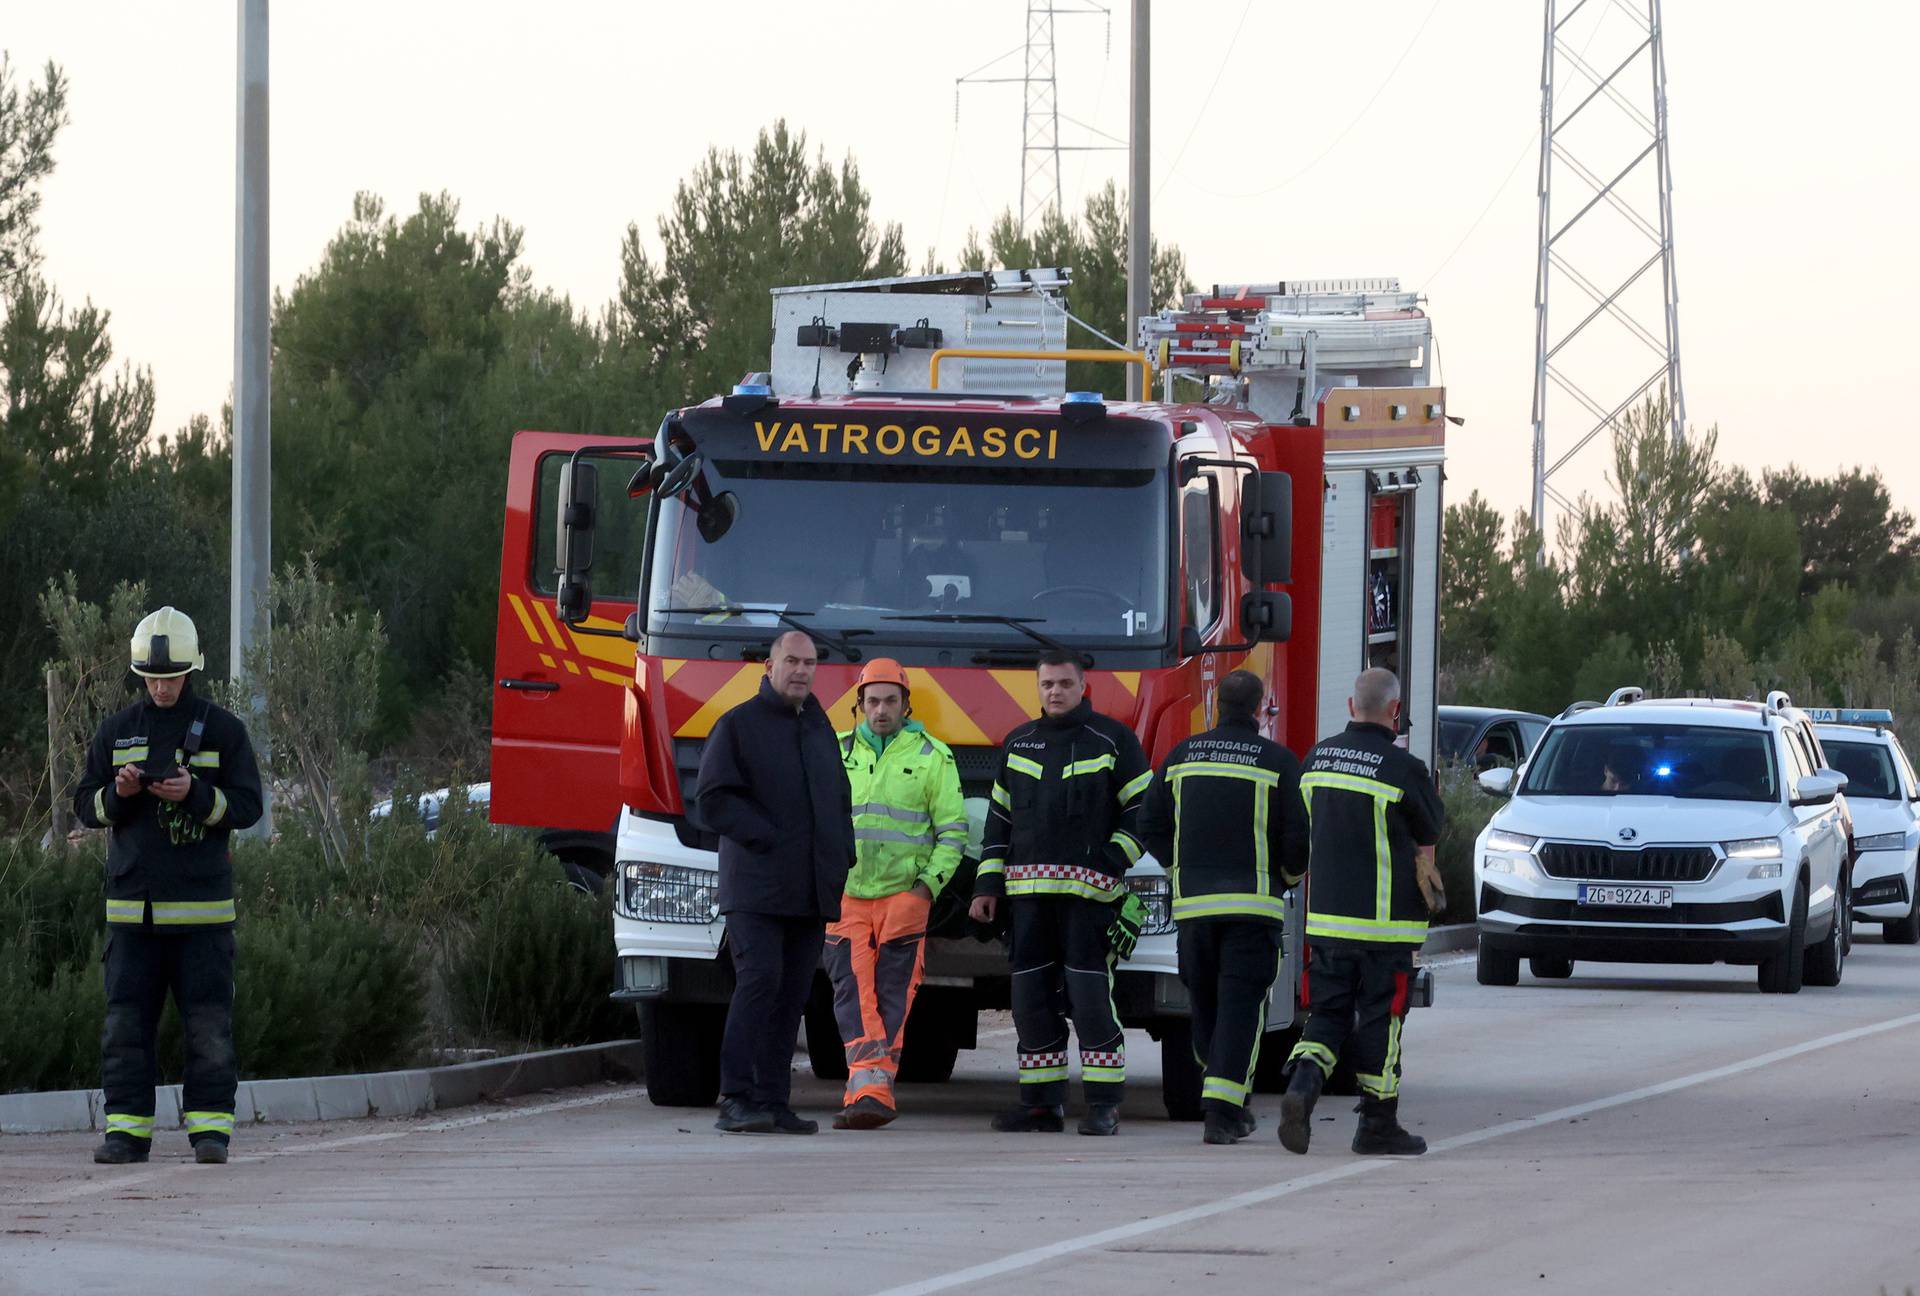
(1496, 782)
(1836, 776)
(1816, 789)
(573, 540)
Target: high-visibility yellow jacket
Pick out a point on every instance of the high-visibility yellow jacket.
(909, 822)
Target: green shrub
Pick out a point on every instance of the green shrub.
(1468, 810)
(50, 1024)
(537, 966)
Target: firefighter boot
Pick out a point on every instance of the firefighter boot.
(1223, 1124)
(1030, 1120)
(1101, 1118)
(865, 1113)
(1296, 1105)
(1379, 1132)
(120, 1150)
(210, 1151)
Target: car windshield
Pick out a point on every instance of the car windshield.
(1868, 767)
(1455, 735)
(1080, 555)
(1699, 762)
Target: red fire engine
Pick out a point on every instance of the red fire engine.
(910, 481)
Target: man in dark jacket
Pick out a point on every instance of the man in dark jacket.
(1376, 817)
(1060, 836)
(1225, 819)
(771, 784)
(171, 777)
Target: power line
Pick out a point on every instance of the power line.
(1233, 43)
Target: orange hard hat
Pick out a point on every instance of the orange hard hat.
(881, 670)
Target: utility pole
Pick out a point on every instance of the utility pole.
(252, 566)
(1139, 191)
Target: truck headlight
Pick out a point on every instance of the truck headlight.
(1156, 893)
(668, 893)
(1881, 841)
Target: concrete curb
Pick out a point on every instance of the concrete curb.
(1452, 938)
(347, 1097)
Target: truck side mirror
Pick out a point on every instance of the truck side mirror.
(573, 539)
(1266, 616)
(1266, 528)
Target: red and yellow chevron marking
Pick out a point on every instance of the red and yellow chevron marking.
(567, 645)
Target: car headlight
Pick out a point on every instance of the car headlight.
(1881, 841)
(1502, 840)
(1156, 893)
(1753, 848)
(669, 893)
(1770, 869)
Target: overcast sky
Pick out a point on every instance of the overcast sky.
(1376, 137)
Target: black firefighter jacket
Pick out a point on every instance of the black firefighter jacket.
(772, 785)
(1225, 819)
(1372, 804)
(1063, 820)
(173, 856)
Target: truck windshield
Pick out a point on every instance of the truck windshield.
(1701, 762)
(1868, 767)
(1078, 554)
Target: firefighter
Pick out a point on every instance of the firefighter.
(1224, 815)
(1061, 833)
(1375, 818)
(171, 777)
(909, 833)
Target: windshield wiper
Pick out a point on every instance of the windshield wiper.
(829, 638)
(1023, 624)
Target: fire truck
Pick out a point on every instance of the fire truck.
(910, 479)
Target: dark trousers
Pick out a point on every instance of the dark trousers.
(774, 959)
(1357, 995)
(1063, 967)
(1228, 966)
(143, 967)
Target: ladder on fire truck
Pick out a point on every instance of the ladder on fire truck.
(1276, 347)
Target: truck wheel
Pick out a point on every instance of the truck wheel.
(1548, 968)
(1180, 1071)
(940, 1023)
(826, 1051)
(680, 1047)
(1903, 931)
(1496, 967)
(1785, 971)
(1269, 1072)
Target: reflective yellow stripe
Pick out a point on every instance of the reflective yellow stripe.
(892, 835)
(1223, 769)
(1318, 1054)
(1101, 1074)
(1000, 797)
(204, 760)
(1342, 927)
(991, 865)
(892, 812)
(1229, 904)
(129, 755)
(1021, 764)
(100, 806)
(1041, 1075)
(138, 1126)
(126, 911)
(1128, 846)
(177, 913)
(1136, 787)
(219, 810)
(199, 1122)
(1350, 783)
(1224, 1091)
(1387, 1083)
(1057, 886)
(1079, 767)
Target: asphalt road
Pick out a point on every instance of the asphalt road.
(1631, 1130)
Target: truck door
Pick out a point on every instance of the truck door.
(558, 694)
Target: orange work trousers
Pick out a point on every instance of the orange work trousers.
(875, 955)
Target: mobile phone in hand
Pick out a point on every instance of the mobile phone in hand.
(148, 777)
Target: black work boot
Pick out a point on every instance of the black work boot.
(1379, 1132)
(120, 1150)
(787, 1121)
(1248, 1124)
(1296, 1105)
(1101, 1118)
(209, 1151)
(1223, 1123)
(865, 1113)
(1031, 1120)
(737, 1116)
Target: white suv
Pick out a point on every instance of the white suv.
(1675, 831)
(1884, 798)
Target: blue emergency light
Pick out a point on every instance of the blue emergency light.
(1082, 398)
(752, 389)
(1850, 716)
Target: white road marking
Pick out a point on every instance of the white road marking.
(108, 1181)
(1258, 1196)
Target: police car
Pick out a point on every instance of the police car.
(1668, 831)
(1884, 796)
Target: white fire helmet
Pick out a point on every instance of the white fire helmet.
(166, 645)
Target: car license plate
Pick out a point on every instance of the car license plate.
(1642, 896)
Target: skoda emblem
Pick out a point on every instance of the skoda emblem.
(1628, 834)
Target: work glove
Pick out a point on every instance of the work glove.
(1123, 934)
